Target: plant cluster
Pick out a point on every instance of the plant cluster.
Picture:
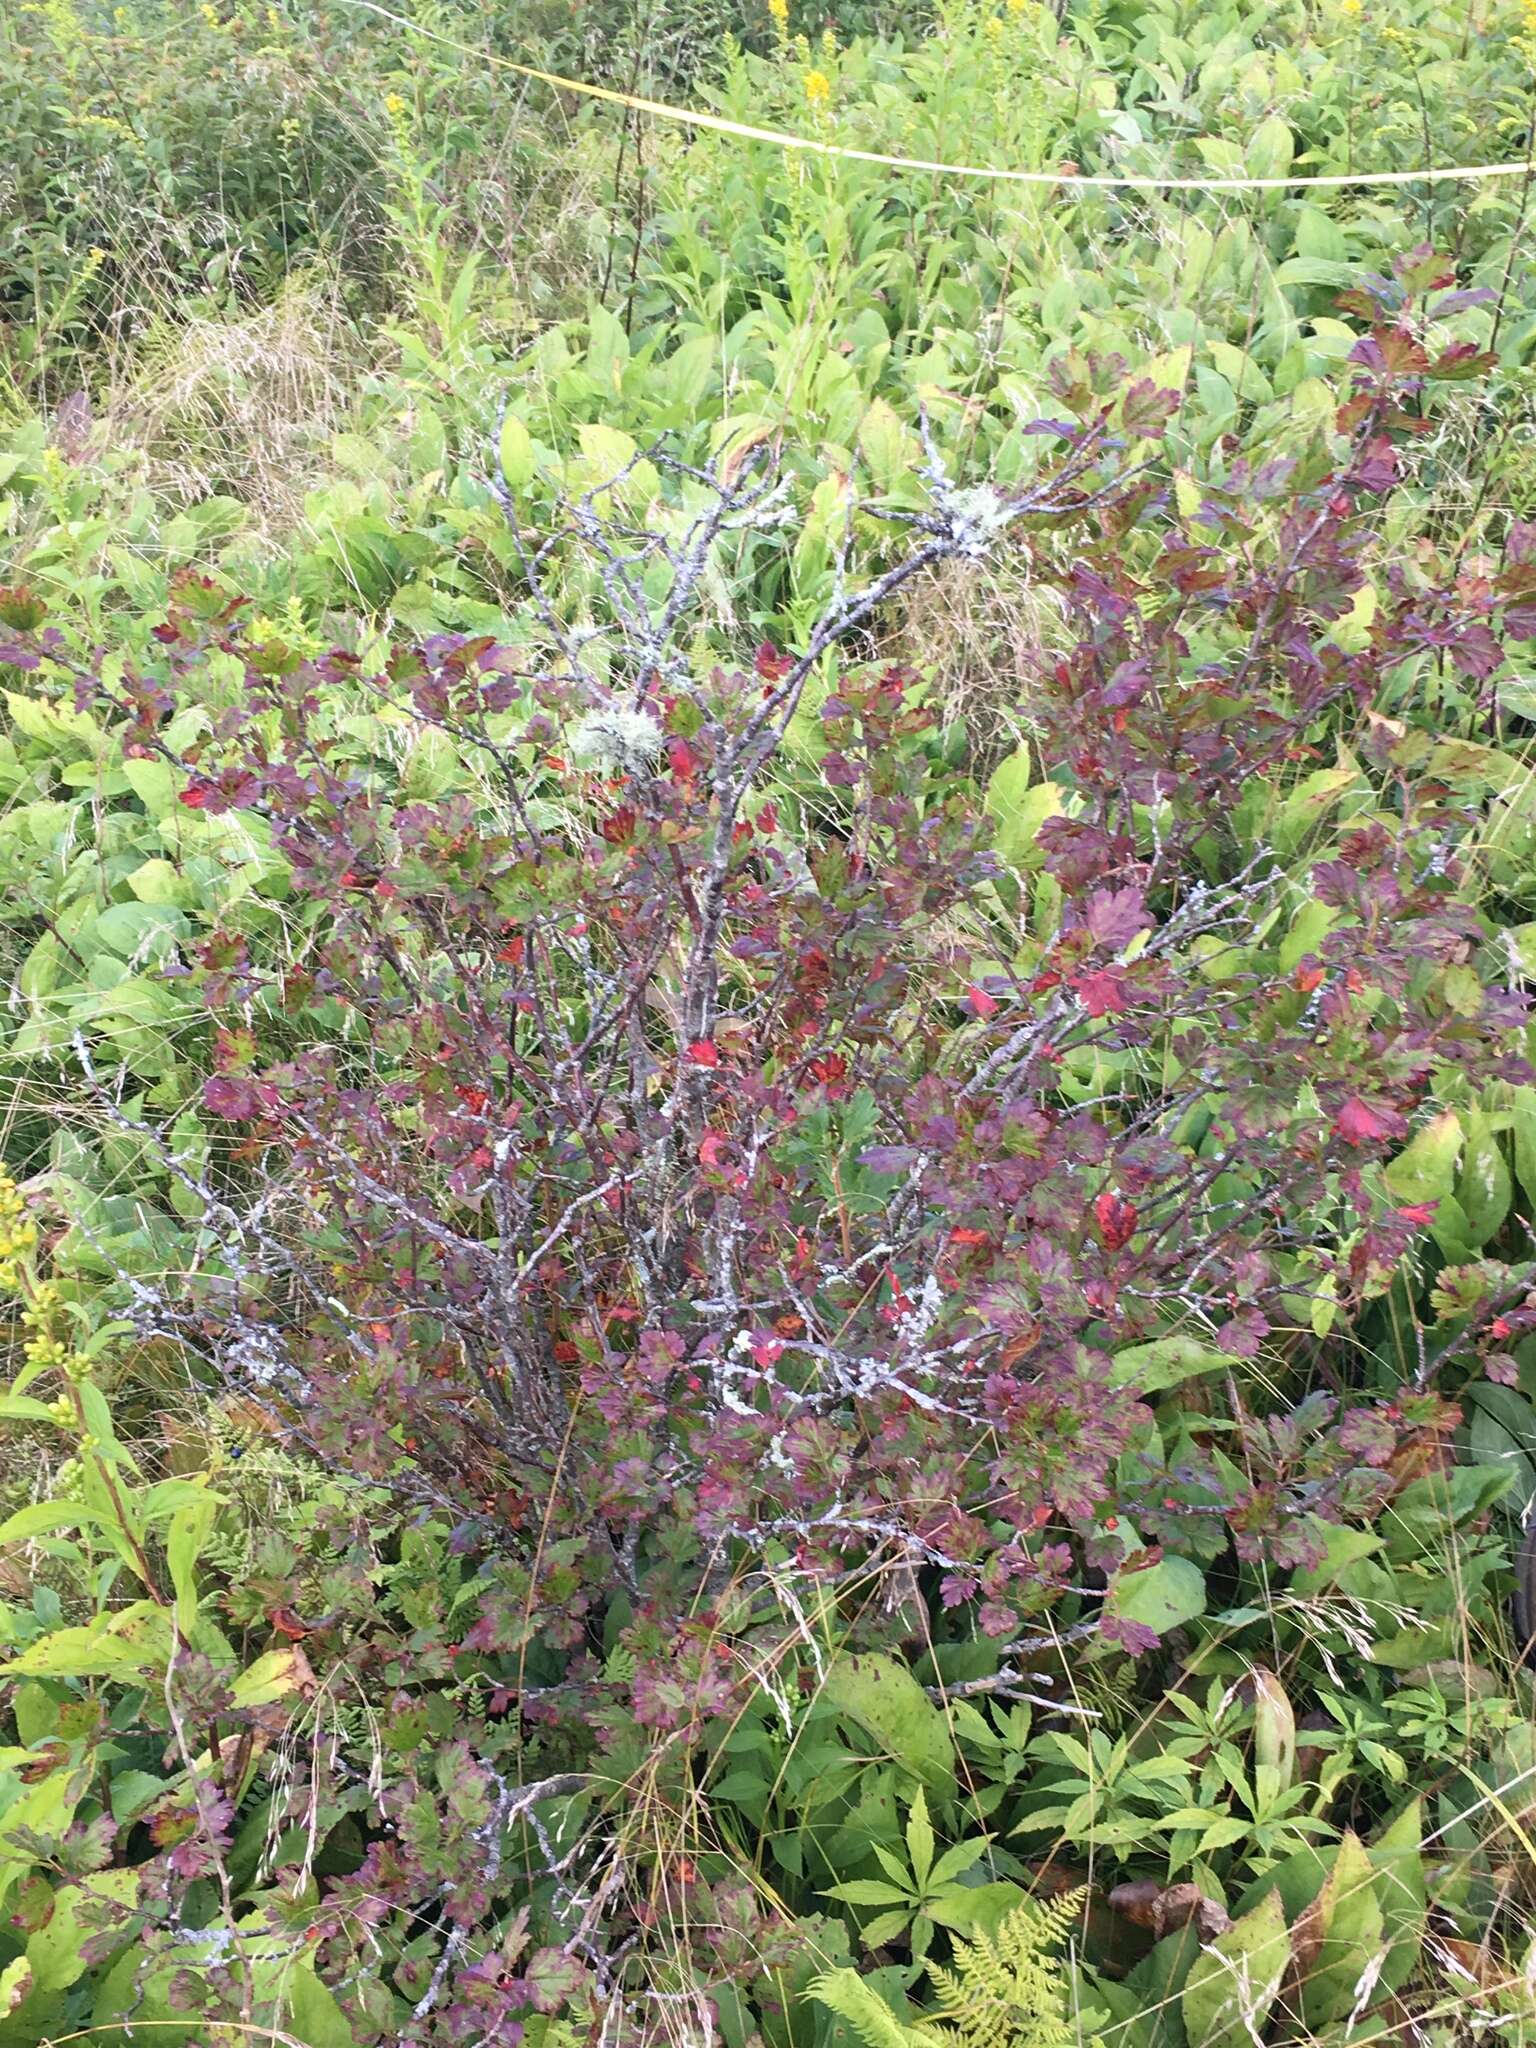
(766, 1265)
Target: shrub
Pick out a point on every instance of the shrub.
(737, 1260)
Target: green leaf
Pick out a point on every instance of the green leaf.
(1425, 1169)
(276, 1676)
(976, 1907)
(1161, 1597)
(313, 2016)
(1397, 1859)
(920, 1839)
(1233, 1983)
(887, 445)
(888, 1704)
(54, 1951)
(1484, 1187)
(1346, 1921)
(133, 1791)
(867, 1891)
(43, 1516)
(516, 449)
(184, 1540)
(1271, 149)
(1523, 1124)
(133, 1644)
(957, 1859)
(15, 1985)
(1501, 1432)
(1241, 372)
(1165, 1363)
(132, 929)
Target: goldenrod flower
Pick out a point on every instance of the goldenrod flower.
(1349, 6)
(779, 9)
(818, 88)
(394, 105)
(992, 27)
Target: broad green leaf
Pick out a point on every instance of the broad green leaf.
(54, 1951)
(516, 450)
(887, 445)
(312, 2015)
(1165, 1362)
(15, 1985)
(1271, 149)
(1425, 1169)
(44, 1516)
(1483, 1189)
(1241, 372)
(1233, 1982)
(1347, 1923)
(276, 1676)
(867, 1891)
(1161, 1597)
(1397, 1859)
(1501, 1432)
(133, 1644)
(886, 1701)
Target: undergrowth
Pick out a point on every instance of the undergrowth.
(767, 1108)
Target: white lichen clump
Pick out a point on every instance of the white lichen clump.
(617, 740)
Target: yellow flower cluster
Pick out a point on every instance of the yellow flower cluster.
(779, 10)
(18, 1233)
(45, 1350)
(818, 88)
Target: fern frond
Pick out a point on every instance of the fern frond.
(1008, 1989)
(1003, 1990)
(847, 1994)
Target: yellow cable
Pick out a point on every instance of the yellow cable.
(718, 124)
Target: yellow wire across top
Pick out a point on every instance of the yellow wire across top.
(719, 124)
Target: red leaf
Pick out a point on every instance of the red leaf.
(982, 1005)
(1116, 1219)
(704, 1053)
(1358, 1124)
(1101, 993)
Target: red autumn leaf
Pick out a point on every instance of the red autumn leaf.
(195, 796)
(982, 1005)
(1357, 1123)
(1101, 993)
(704, 1053)
(1419, 1214)
(1116, 1220)
(770, 664)
(712, 1148)
(682, 759)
